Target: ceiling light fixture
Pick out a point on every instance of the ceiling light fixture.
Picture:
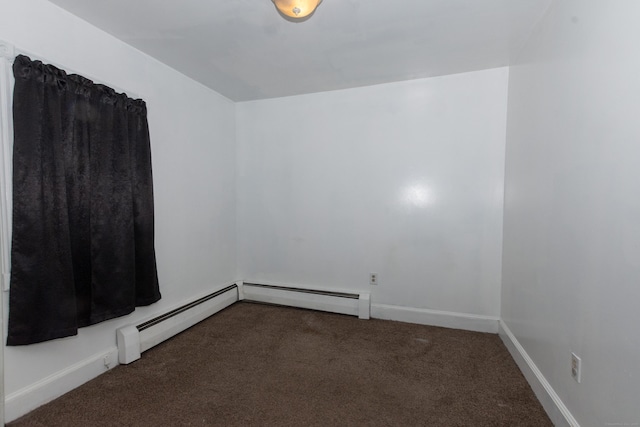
(296, 8)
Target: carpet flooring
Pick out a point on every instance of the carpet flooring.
(259, 365)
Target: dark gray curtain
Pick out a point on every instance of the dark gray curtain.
(83, 232)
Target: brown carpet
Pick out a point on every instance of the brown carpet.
(269, 366)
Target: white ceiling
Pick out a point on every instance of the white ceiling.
(245, 50)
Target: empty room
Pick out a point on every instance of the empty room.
(334, 212)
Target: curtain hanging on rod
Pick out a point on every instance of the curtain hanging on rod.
(83, 222)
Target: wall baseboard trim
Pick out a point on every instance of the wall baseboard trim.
(551, 402)
(29, 398)
(445, 319)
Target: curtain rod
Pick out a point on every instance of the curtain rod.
(9, 52)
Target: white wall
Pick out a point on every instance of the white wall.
(571, 266)
(193, 147)
(402, 179)
(405, 180)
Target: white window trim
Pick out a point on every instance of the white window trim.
(6, 137)
(6, 148)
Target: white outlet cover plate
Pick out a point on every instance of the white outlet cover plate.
(576, 367)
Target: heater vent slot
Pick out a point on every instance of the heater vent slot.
(306, 291)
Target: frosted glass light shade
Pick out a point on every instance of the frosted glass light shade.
(297, 8)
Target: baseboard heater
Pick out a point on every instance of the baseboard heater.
(335, 302)
(133, 340)
(136, 339)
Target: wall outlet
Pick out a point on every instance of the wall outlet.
(373, 278)
(576, 367)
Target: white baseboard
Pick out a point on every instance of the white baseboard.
(29, 398)
(551, 402)
(445, 319)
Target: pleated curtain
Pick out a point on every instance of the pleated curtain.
(83, 217)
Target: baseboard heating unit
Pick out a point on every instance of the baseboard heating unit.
(136, 339)
(133, 340)
(335, 302)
